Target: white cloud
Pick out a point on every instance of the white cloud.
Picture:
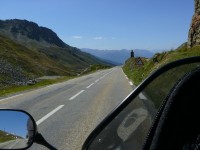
(99, 38)
(77, 37)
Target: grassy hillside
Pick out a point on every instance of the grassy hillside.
(18, 63)
(71, 58)
(47, 43)
(4, 137)
(28, 51)
(137, 74)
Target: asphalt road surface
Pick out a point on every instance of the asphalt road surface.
(67, 112)
(17, 144)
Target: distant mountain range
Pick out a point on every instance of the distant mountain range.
(117, 57)
(28, 51)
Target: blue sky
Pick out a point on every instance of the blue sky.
(108, 24)
(14, 122)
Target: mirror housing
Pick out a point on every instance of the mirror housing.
(17, 129)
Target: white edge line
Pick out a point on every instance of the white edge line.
(125, 74)
(90, 85)
(130, 83)
(73, 97)
(49, 114)
(11, 97)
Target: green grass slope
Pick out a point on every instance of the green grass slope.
(46, 42)
(28, 51)
(18, 63)
(4, 137)
(137, 74)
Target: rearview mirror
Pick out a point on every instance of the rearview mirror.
(17, 129)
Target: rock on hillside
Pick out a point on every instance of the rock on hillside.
(28, 51)
(194, 32)
(18, 29)
(46, 42)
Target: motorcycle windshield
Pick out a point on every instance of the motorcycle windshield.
(129, 129)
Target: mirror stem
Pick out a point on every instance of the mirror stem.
(39, 139)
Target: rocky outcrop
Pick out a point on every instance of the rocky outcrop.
(194, 32)
(12, 75)
(20, 28)
(28, 51)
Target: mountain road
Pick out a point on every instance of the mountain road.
(67, 112)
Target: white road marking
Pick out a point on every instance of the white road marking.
(51, 85)
(11, 147)
(73, 97)
(90, 85)
(49, 114)
(105, 75)
(109, 72)
(97, 80)
(141, 96)
(11, 97)
(102, 77)
(130, 83)
(123, 72)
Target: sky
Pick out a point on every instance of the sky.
(14, 122)
(108, 24)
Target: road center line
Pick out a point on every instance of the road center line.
(97, 80)
(73, 97)
(90, 85)
(11, 97)
(49, 114)
(11, 147)
(102, 77)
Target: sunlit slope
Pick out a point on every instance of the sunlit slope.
(18, 63)
(137, 74)
(4, 137)
(46, 42)
(28, 51)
